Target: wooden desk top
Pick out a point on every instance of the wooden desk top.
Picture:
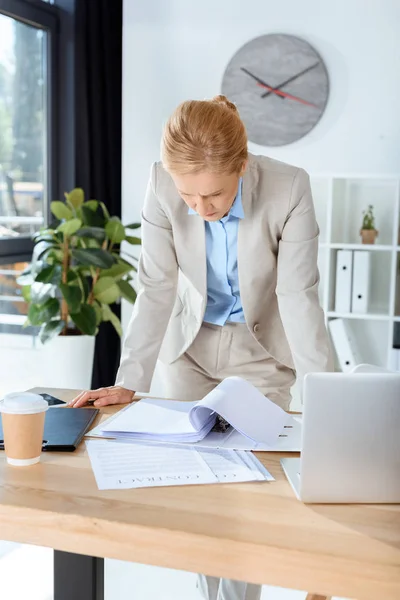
(256, 532)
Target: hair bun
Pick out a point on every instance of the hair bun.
(223, 100)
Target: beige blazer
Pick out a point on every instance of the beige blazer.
(278, 274)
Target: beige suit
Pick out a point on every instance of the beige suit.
(278, 274)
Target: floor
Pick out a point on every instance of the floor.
(123, 581)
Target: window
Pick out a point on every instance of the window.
(28, 97)
(13, 308)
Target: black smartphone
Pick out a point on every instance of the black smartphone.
(51, 400)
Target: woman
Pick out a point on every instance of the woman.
(228, 274)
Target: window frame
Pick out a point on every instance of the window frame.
(47, 17)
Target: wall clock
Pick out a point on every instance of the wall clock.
(280, 86)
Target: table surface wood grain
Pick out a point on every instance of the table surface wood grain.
(257, 532)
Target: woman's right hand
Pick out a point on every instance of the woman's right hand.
(103, 397)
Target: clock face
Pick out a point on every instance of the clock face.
(280, 86)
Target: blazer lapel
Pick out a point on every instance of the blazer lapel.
(196, 236)
(246, 244)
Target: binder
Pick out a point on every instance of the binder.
(361, 281)
(394, 359)
(345, 344)
(344, 268)
(64, 427)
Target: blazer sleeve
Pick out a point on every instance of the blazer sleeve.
(297, 283)
(157, 278)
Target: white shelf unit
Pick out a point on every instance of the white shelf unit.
(339, 202)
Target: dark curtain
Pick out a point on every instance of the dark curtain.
(98, 100)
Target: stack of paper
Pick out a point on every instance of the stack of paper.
(246, 409)
(122, 465)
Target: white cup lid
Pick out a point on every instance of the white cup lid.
(23, 403)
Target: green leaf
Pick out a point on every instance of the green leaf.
(73, 296)
(72, 276)
(85, 319)
(117, 271)
(50, 274)
(26, 277)
(108, 315)
(93, 205)
(127, 291)
(70, 227)
(105, 211)
(135, 241)
(95, 257)
(96, 233)
(38, 251)
(84, 286)
(26, 293)
(92, 217)
(44, 237)
(42, 313)
(133, 226)
(115, 230)
(106, 290)
(76, 197)
(40, 292)
(51, 330)
(44, 254)
(61, 210)
(117, 324)
(54, 256)
(99, 314)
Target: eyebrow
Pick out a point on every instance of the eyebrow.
(202, 195)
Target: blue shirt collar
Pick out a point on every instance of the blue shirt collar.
(236, 208)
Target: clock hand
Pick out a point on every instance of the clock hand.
(276, 90)
(286, 95)
(260, 81)
(291, 79)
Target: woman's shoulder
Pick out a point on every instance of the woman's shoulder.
(262, 163)
(161, 180)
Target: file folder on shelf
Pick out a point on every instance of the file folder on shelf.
(361, 281)
(344, 268)
(344, 344)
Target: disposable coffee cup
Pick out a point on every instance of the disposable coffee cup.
(23, 425)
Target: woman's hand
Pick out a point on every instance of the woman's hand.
(103, 396)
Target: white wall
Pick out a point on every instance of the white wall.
(177, 50)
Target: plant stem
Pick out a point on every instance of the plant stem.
(94, 281)
(95, 277)
(64, 278)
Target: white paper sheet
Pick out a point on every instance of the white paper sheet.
(244, 407)
(124, 465)
(233, 440)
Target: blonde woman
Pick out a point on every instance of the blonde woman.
(228, 275)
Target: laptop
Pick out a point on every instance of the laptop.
(350, 438)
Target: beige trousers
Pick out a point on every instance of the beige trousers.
(216, 353)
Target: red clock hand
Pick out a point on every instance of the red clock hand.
(286, 95)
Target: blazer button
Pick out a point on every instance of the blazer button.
(256, 328)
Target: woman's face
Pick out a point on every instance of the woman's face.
(209, 194)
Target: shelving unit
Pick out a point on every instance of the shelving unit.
(339, 202)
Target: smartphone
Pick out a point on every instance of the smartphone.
(51, 400)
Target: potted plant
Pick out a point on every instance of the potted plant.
(368, 232)
(76, 273)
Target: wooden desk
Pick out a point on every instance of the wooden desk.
(254, 532)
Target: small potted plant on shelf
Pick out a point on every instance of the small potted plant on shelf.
(368, 232)
(76, 274)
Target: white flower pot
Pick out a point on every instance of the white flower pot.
(68, 361)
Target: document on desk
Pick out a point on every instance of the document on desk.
(238, 402)
(125, 465)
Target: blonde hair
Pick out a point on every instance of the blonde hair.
(204, 135)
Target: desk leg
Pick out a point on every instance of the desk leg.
(78, 577)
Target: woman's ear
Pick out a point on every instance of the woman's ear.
(244, 167)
